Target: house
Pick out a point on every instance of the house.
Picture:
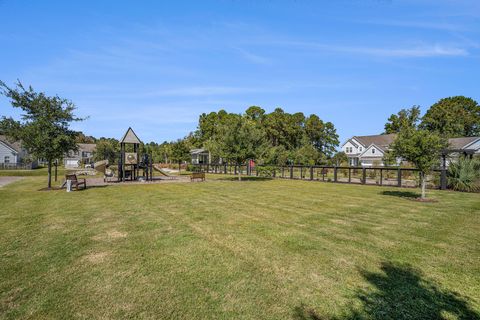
(369, 151)
(200, 156)
(84, 154)
(12, 154)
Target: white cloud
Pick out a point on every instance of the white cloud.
(435, 50)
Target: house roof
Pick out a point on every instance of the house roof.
(16, 145)
(88, 147)
(381, 141)
(197, 151)
(130, 137)
(461, 143)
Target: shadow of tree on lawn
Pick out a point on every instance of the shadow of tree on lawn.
(401, 293)
(401, 194)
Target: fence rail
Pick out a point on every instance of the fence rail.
(16, 166)
(381, 176)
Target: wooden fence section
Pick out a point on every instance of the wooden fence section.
(381, 176)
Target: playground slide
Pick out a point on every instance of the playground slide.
(163, 173)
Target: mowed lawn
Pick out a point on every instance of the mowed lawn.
(273, 249)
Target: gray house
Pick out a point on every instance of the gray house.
(13, 155)
(84, 154)
(200, 156)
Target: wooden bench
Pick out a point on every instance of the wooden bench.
(197, 175)
(75, 181)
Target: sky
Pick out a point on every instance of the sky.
(157, 65)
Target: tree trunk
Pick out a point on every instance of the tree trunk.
(49, 174)
(424, 183)
(179, 166)
(239, 174)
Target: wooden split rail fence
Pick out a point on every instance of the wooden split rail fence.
(382, 176)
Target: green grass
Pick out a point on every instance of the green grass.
(269, 249)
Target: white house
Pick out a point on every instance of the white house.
(370, 150)
(12, 154)
(367, 150)
(84, 154)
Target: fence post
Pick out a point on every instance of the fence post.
(225, 168)
(349, 175)
(311, 173)
(235, 170)
(399, 178)
(291, 172)
(381, 177)
(283, 172)
(335, 174)
(364, 175)
(443, 179)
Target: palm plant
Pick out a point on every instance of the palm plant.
(464, 175)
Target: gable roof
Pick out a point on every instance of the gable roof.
(15, 146)
(461, 143)
(372, 155)
(381, 141)
(88, 147)
(198, 151)
(130, 137)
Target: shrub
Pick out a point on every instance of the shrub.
(464, 175)
(265, 171)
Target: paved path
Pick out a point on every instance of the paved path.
(6, 180)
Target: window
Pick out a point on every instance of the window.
(360, 149)
(373, 150)
(6, 159)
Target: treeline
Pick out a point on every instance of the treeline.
(270, 138)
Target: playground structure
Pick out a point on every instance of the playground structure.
(129, 164)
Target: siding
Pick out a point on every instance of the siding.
(6, 151)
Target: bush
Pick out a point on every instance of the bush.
(464, 175)
(265, 171)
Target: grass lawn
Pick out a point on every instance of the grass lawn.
(271, 249)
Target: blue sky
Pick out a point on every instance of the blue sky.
(157, 65)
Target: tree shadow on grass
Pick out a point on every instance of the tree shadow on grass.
(245, 178)
(401, 194)
(400, 292)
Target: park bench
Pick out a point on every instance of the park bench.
(75, 181)
(197, 175)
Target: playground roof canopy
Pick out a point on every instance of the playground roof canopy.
(130, 137)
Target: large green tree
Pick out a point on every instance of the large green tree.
(180, 152)
(422, 148)
(44, 126)
(404, 119)
(453, 117)
(107, 149)
(239, 139)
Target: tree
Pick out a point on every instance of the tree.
(404, 119)
(180, 152)
(420, 147)
(453, 117)
(239, 139)
(44, 128)
(106, 149)
(82, 138)
(340, 158)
